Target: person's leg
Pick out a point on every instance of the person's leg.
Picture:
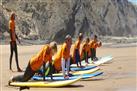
(51, 70)
(84, 57)
(79, 60)
(95, 55)
(95, 52)
(71, 61)
(68, 65)
(25, 77)
(11, 55)
(29, 73)
(87, 57)
(76, 57)
(92, 53)
(16, 57)
(63, 66)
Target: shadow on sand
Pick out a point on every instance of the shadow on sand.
(24, 88)
(93, 79)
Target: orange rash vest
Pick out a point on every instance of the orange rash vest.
(43, 56)
(63, 52)
(12, 30)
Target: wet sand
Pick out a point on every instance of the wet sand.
(119, 75)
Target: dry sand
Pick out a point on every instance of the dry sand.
(119, 75)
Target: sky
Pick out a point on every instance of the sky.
(133, 1)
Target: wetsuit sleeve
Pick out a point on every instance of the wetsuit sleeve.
(17, 38)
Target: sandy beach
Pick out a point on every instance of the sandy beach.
(119, 75)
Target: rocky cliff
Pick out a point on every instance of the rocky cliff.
(53, 19)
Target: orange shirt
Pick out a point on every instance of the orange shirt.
(43, 56)
(94, 44)
(65, 51)
(85, 48)
(76, 46)
(12, 30)
(57, 60)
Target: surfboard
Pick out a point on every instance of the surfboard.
(45, 84)
(101, 60)
(80, 72)
(83, 68)
(60, 78)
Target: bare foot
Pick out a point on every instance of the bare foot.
(19, 70)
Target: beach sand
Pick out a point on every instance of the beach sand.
(119, 75)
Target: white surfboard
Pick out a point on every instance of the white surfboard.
(101, 60)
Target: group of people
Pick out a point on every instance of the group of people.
(57, 59)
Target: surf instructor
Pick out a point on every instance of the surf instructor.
(13, 44)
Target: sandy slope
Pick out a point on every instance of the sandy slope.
(120, 75)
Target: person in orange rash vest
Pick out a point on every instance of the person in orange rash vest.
(13, 44)
(85, 52)
(94, 43)
(76, 51)
(35, 63)
(62, 58)
(57, 61)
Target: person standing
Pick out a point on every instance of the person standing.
(13, 45)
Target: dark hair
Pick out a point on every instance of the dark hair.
(87, 39)
(95, 36)
(80, 36)
(12, 15)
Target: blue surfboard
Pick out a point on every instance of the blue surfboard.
(83, 68)
(60, 78)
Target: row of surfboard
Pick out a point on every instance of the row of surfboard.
(92, 70)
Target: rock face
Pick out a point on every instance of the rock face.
(53, 19)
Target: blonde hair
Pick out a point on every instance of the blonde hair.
(68, 37)
(53, 45)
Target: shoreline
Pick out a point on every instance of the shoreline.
(104, 45)
(107, 41)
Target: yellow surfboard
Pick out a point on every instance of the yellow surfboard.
(80, 72)
(45, 84)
